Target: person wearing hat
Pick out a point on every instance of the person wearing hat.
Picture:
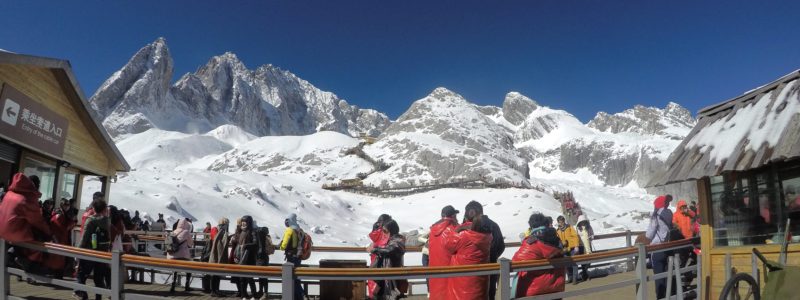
(437, 254)
(658, 232)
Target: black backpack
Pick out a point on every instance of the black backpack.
(101, 233)
(172, 243)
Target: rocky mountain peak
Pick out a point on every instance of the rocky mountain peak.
(672, 121)
(267, 101)
(444, 94)
(141, 85)
(517, 107)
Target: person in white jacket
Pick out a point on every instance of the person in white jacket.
(184, 234)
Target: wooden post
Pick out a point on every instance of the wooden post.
(505, 279)
(5, 280)
(641, 273)
(116, 274)
(287, 281)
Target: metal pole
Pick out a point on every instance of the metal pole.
(287, 281)
(670, 274)
(641, 273)
(754, 266)
(727, 266)
(678, 276)
(116, 274)
(505, 279)
(699, 279)
(628, 244)
(5, 280)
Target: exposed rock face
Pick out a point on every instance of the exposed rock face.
(646, 120)
(517, 107)
(264, 101)
(442, 137)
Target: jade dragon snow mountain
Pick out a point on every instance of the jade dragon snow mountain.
(227, 140)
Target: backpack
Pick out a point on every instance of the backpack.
(101, 234)
(304, 245)
(172, 243)
(673, 234)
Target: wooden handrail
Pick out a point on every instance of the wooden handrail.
(408, 248)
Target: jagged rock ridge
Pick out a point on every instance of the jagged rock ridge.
(264, 101)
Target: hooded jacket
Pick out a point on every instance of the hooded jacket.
(20, 213)
(439, 256)
(290, 237)
(184, 233)
(682, 221)
(530, 283)
(468, 247)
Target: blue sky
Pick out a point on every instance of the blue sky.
(581, 56)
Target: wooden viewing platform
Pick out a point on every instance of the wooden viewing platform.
(22, 289)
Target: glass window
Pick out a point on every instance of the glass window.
(750, 208)
(69, 185)
(46, 173)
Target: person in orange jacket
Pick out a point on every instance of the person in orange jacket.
(543, 243)
(683, 219)
(437, 254)
(469, 244)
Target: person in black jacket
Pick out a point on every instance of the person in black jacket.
(246, 248)
(498, 243)
(390, 256)
(265, 248)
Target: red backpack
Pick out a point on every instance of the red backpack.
(304, 245)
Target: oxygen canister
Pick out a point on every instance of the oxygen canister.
(94, 240)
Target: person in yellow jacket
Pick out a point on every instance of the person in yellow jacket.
(289, 243)
(569, 240)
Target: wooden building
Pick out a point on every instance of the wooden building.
(48, 128)
(744, 155)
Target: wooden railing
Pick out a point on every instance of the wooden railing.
(287, 273)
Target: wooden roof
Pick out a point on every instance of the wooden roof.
(62, 71)
(716, 145)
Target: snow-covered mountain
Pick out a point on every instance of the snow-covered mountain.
(264, 101)
(442, 137)
(227, 141)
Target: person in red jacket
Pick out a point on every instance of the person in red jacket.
(543, 243)
(379, 238)
(469, 244)
(437, 254)
(61, 224)
(21, 219)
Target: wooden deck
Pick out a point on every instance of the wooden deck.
(46, 292)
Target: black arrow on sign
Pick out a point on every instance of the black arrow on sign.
(10, 112)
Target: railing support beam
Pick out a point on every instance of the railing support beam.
(287, 281)
(670, 274)
(628, 244)
(505, 279)
(5, 278)
(678, 276)
(641, 273)
(116, 275)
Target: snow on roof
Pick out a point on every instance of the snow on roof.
(747, 132)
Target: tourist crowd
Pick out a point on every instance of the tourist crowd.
(450, 241)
